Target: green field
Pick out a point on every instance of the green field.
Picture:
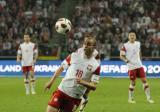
(110, 96)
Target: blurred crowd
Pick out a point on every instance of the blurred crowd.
(109, 20)
(34, 16)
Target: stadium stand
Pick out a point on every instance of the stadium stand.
(108, 20)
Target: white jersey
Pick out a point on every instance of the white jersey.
(78, 66)
(27, 52)
(132, 53)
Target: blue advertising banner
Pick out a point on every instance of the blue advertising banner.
(47, 68)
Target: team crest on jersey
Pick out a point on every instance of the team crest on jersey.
(89, 67)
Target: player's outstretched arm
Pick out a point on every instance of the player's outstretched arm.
(55, 75)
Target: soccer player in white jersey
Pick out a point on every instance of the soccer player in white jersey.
(131, 54)
(83, 72)
(84, 99)
(27, 54)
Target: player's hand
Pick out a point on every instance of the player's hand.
(47, 85)
(127, 61)
(18, 60)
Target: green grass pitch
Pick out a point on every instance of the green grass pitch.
(111, 96)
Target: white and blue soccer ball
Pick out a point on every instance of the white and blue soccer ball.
(63, 26)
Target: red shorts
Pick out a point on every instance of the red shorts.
(136, 73)
(63, 102)
(27, 68)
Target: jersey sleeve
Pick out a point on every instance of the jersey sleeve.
(98, 58)
(19, 52)
(66, 63)
(96, 55)
(96, 75)
(123, 50)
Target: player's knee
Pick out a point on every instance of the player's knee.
(31, 71)
(133, 83)
(131, 87)
(26, 81)
(144, 81)
(145, 85)
(25, 73)
(33, 79)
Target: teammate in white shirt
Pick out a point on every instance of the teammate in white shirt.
(83, 72)
(131, 54)
(27, 54)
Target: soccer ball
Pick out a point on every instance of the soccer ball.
(63, 26)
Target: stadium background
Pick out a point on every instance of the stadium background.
(108, 20)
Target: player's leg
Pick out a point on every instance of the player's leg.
(64, 102)
(51, 109)
(132, 76)
(145, 85)
(147, 90)
(71, 104)
(32, 80)
(55, 102)
(84, 101)
(26, 80)
(131, 91)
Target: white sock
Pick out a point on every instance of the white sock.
(147, 90)
(27, 87)
(33, 85)
(131, 92)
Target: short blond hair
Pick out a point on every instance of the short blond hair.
(90, 38)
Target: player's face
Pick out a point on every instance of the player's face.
(26, 38)
(132, 37)
(89, 48)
